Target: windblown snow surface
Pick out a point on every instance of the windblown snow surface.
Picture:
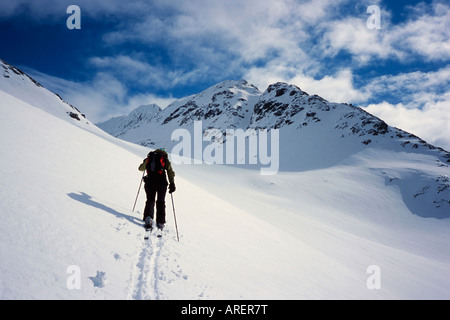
(341, 232)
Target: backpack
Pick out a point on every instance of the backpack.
(156, 163)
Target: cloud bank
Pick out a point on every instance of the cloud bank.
(399, 72)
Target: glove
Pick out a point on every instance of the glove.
(172, 187)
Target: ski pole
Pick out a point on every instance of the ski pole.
(175, 217)
(140, 184)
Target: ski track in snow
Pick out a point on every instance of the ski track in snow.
(145, 275)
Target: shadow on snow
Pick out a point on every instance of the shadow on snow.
(87, 199)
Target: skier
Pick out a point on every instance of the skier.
(156, 164)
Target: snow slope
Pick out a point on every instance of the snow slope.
(66, 199)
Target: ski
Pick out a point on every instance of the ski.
(159, 235)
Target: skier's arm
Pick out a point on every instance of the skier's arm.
(143, 165)
(170, 172)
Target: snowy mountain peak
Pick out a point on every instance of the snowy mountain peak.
(20, 85)
(145, 111)
(228, 103)
(231, 85)
(280, 88)
(118, 126)
(239, 104)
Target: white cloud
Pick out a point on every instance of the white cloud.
(413, 89)
(431, 123)
(101, 98)
(425, 103)
(228, 36)
(353, 36)
(425, 33)
(253, 30)
(298, 42)
(336, 88)
(130, 69)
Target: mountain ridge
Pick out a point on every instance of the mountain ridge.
(280, 105)
(313, 134)
(19, 84)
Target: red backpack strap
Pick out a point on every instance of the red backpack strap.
(163, 164)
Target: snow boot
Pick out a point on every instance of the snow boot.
(148, 222)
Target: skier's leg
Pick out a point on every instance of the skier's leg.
(161, 206)
(149, 210)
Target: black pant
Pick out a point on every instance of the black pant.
(151, 190)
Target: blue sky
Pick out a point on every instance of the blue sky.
(139, 52)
